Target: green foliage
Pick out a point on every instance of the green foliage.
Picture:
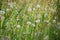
(29, 20)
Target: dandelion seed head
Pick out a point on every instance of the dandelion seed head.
(18, 26)
(29, 9)
(45, 8)
(28, 22)
(2, 12)
(7, 9)
(37, 21)
(33, 25)
(54, 21)
(10, 4)
(38, 6)
(34, 9)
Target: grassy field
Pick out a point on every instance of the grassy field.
(29, 20)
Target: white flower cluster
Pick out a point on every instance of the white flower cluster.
(11, 4)
(29, 23)
(33, 9)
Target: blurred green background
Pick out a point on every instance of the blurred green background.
(29, 19)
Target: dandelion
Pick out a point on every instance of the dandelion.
(28, 22)
(29, 9)
(33, 25)
(38, 6)
(10, 4)
(34, 9)
(54, 21)
(55, 17)
(7, 9)
(37, 21)
(45, 9)
(2, 12)
(18, 26)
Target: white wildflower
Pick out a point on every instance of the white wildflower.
(18, 26)
(45, 9)
(54, 21)
(33, 25)
(7, 9)
(28, 22)
(10, 4)
(2, 12)
(37, 21)
(55, 17)
(34, 9)
(29, 9)
(38, 6)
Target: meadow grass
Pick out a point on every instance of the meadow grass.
(29, 20)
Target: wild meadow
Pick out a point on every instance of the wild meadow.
(29, 20)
